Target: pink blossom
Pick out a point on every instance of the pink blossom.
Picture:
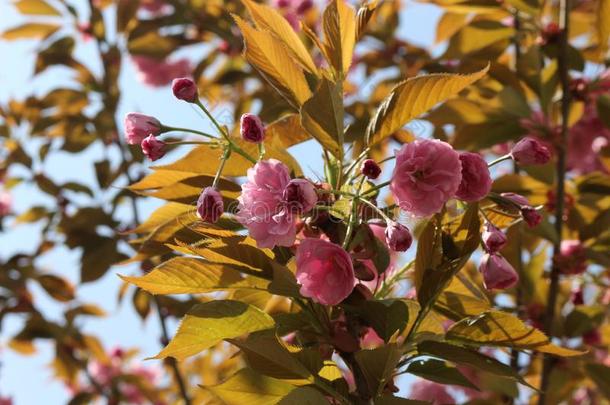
(293, 10)
(529, 151)
(6, 201)
(185, 89)
(139, 126)
(252, 128)
(158, 72)
(435, 393)
(370, 169)
(493, 238)
(371, 339)
(379, 232)
(497, 272)
(426, 176)
(153, 148)
(6, 401)
(324, 271)
(531, 216)
(398, 237)
(517, 199)
(300, 196)
(262, 207)
(476, 180)
(572, 258)
(153, 6)
(209, 205)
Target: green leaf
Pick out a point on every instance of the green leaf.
(464, 356)
(414, 97)
(266, 355)
(600, 374)
(36, 7)
(30, 31)
(378, 365)
(304, 396)
(322, 117)
(496, 328)
(184, 275)
(207, 324)
(438, 371)
(248, 387)
(584, 318)
(386, 317)
(392, 400)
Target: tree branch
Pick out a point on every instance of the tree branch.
(562, 59)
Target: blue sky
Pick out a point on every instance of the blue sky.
(29, 379)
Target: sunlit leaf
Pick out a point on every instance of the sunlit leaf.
(438, 371)
(269, 56)
(496, 328)
(184, 275)
(207, 324)
(414, 97)
(36, 7)
(269, 19)
(30, 31)
(339, 24)
(378, 364)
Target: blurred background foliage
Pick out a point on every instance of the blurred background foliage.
(166, 39)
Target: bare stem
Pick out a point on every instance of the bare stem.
(562, 59)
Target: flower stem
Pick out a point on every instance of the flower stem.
(193, 131)
(562, 60)
(377, 187)
(500, 159)
(225, 157)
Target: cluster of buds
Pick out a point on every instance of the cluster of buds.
(496, 270)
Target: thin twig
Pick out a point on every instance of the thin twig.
(562, 59)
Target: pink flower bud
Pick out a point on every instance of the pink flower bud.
(592, 337)
(324, 271)
(209, 205)
(531, 216)
(572, 257)
(139, 126)
(300, 196)
(252, 129)
(530, 151)
(398, 237)
(516, 198)
(577, 297)
(493, 238)
(497, 272)
(153, 148)
(185, 89)
(370, 169)
(5, 203)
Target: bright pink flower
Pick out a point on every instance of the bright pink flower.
(139, 126)
(300, 196)
(6, 401)
(493, 238)
(185, 89)
(370, 169)
(426, 176)
(529, 151)
(379, 232)
(476, 180)
(572, 258)
(371, 339)
(262, 207)
(434, 393)
(158, 72)
(398, 237)
(209, 205)
(497, 272)
(153, 148)
(324, 271)
(252, 128)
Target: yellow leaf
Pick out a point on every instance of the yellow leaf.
(364, 16)
(205, 159)
(449, 24)
(30, 31)
(414, 97)
(207, 324)
(268, 19)
(37, 7)
(184, 275)
(603, 25)
(322, 117)
(339, 24)
(267, 54)
(496, 328)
